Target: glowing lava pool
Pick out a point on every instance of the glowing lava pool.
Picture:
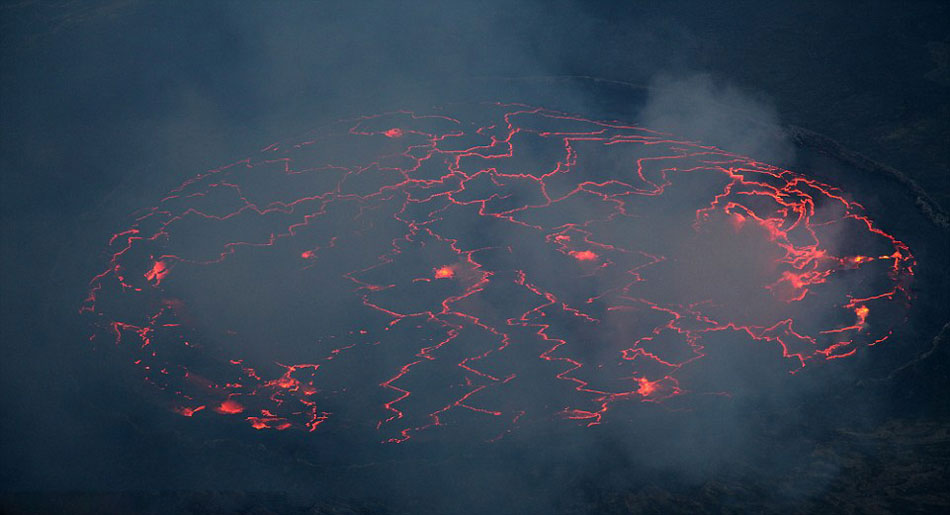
(488, 266)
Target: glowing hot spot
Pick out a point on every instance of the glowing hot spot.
(444, 272)
(187, 412)
(645, 386)
(158, 272)
(269, 422)
(862, 312)
(230, 407)
(584, 255)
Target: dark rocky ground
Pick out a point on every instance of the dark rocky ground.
(899, 466)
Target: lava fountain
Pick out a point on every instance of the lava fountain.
(485, 266)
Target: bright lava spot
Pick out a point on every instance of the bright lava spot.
(187, 412)
(444, 272)
(158, 272)
(230, 407)
(701, 272)
(862, 312)
(646, 387)
(269, 422)
(584, 255)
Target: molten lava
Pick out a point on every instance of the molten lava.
(584, 255)
(595, 266)
(229, 407)
(444, 272)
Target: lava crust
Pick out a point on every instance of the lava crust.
(481, 267)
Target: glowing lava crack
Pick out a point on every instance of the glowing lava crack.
(500, 266)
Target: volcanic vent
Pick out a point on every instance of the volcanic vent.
(484, 267)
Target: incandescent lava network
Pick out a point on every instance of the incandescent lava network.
(486, 267)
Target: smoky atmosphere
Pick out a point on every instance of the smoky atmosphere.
(554, 257)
